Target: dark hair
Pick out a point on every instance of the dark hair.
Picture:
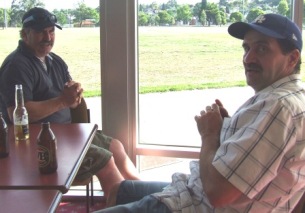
(286, 47)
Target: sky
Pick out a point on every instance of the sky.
(68, 4)
(71, 4)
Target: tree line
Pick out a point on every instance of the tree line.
(154, 14)
(75, 17)
(206, 13)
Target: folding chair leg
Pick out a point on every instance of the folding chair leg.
(87, 197)
(92, 196)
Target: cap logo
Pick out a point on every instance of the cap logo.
(260, 19)
(294, 37)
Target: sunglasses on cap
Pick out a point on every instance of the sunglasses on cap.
(40, 18)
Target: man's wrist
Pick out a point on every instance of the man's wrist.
(210, 141)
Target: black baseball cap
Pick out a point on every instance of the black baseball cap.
(273, 25)
(39, 18)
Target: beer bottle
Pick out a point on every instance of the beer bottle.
(20, 116)
(4, 143)
(46, 149)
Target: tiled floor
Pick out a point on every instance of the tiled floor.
(80, 206)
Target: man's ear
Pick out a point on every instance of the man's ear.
(294, 57)
(23, 34)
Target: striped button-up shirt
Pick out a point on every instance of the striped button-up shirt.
(262, 153)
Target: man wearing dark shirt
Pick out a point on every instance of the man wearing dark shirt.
(50, 92)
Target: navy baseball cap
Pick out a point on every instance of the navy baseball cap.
(38, 19)
(273, 25)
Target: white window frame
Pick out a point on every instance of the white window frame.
(119, 68)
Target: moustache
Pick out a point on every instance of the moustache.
(253, 67)
(46, 43)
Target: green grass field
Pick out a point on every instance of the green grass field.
(170, 58)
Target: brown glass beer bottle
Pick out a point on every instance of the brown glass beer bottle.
(4, 143)
(46, 149)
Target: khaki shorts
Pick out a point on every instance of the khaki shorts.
(96, 158)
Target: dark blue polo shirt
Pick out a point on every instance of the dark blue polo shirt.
(22, 67)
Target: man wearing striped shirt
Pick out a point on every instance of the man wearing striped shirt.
(253, 161)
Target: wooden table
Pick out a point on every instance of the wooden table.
(20, 169)
(34, 201)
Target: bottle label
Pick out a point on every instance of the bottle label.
(44, 156)
(23, 120)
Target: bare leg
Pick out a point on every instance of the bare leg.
(109, 176)
(111, 200)
(123, 162)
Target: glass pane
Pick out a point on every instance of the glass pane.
(178, 56)
(161, 168)
(186, 62)
(80, 48)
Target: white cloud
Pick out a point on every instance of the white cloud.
(68, 4)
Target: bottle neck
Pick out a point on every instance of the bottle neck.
(45, 125)
(19, 101)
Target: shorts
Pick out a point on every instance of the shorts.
(135, 197)
(96, 158)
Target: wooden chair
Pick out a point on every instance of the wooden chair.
(81, 114)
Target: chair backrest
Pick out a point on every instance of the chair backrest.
(80, 114)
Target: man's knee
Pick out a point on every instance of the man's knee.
(134, 190)
(117, 148)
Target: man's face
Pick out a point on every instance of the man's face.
(41, 42)
(264, 61)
